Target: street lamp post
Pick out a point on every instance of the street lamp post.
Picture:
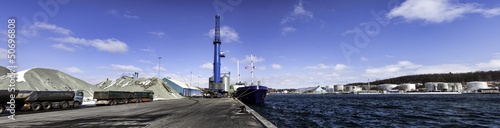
(159, 60)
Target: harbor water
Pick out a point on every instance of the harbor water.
(389, 110)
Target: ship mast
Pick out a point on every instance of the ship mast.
(238, 68)
(251, 66)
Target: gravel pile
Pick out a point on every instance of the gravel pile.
(161, 89)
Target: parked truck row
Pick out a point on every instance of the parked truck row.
(37, 100)
(116, 97)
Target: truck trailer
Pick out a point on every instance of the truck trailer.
(37, 100)
(116, 97)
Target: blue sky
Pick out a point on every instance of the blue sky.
(295, 43)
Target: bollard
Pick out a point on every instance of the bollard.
(243, 109)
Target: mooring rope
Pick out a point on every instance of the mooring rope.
(246, 94)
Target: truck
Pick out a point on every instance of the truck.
(143, 96)
(116, 97)
(37, 100)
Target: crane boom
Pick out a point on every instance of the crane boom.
(217, 28)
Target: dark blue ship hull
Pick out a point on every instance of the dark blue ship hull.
(252, 95)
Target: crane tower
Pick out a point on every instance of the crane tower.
(217, 85)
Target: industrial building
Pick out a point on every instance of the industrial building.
(352, 89)
(330, 88)
(317, 89)
(476, 86)
(407, 87)
(338, 88)
(183, 88)
(443, 87)
(387, 87)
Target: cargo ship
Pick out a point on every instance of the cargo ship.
(253, 94)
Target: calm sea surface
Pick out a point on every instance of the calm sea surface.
(465, 110)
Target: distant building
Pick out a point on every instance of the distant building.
(330, 88)
(317, 89)
(183, 88)
(352, 89)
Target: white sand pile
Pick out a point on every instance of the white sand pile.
(161, 89)
(4, 71)
(43, 79)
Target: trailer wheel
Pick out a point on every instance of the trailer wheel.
(76, 104)
(36, 106)
(65, 105)
(46, 105)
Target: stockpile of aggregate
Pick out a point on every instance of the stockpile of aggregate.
(4, 71)
(43, 79)
(161, 89)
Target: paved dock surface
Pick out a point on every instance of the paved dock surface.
(182, 113)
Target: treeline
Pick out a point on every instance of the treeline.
(444, 77)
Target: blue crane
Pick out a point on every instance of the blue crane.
(217, 84)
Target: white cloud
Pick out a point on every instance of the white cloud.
(348, 32)
(225, 69)
(285, 30)
(261, 67)
(255, 59)
(276, 66)
(227, 34)
(234, 59)
(73, 70)
(3, 54)
(298, 13)
(496, 55)
(302, 80)
(110, 45)
(114, 12)
(131, 16)
(207, 65)
(408, 64)
(323, 66)
(392, 68)
(437, 11)
(337, 67)
(127, 68)
(125, 14)
(146, 61)
(493, 64)
(324, 74)
(102, 67)
(3, 34)
(311, 67)
(71, 40)
(63, 47)
(363, 59)
(54, 28)
(159, 34)
(161, 68)
(385, 69)
(444, 68)
(389, 56)
(408, 68)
